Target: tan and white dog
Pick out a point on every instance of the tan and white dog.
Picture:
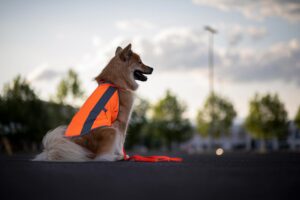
(104, 143)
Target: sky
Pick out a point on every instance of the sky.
(257, 47)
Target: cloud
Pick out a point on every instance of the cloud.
(256, 33)
(184, 48)
(237, 33)
(43, 73)
(278, 62)
(135, 24)
(176, 48)
(257, 9)
(96, 41)
(170, 48)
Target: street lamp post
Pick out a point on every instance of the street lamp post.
(211, 77)
(211, 57)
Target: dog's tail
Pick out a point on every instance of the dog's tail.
(59, 148)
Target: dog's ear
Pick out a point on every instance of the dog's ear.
(118, 50)
(126, 53)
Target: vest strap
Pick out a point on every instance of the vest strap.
(100, 106)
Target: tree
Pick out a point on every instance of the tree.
(19, 89)
(167, 123)
(267, 118)
(138, 122)
(215, 117)
(62, 91)
(297, 118)
(22, 114)
(69, 86)
(25, 118)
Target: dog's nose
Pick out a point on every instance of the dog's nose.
(151, 70)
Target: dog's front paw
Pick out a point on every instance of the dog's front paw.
(125, 157)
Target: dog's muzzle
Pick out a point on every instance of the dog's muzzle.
(139, 75)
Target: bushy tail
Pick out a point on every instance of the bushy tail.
(59, 148)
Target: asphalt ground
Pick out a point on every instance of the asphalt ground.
(206, 176)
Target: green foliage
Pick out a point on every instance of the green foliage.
(267, 117)
(19, 89)
(17, 104)
(215, 117)
(165, 126)
(138, 123)
(297, 118)
(62, 91)
(69, 86)
(24, 117)
(167, 123)
(74, 84)
(168, 108)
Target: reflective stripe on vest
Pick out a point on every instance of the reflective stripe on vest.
(100, 109)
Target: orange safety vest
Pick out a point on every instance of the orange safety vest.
(100, 109)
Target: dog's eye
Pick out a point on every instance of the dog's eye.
(140, 62)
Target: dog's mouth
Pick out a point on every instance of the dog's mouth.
(140, 75)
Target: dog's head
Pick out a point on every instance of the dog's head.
(125, 69)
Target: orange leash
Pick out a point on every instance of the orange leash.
(138, 158)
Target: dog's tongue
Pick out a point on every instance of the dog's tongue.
(138, 75)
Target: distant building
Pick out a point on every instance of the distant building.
(293, 139)
(239, 139)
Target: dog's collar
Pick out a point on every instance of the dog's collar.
(108, 82)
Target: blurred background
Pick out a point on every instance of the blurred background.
(226, 78)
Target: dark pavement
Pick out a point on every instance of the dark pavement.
(231, 176)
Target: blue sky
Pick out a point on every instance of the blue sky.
(257, 48)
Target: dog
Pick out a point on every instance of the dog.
(102, 143)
